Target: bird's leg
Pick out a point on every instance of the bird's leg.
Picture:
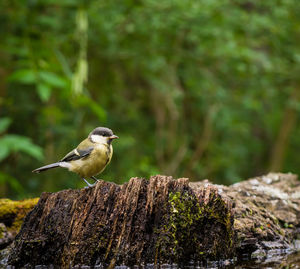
(89, 184)
(96, 179)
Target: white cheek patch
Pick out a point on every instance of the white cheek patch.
(99, 139)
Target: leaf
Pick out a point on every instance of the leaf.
(25, 76)
(99, 111)
(94, 106)
(4, 123)
(44, 91)
(13, 182)
(4, 152)
(53, 79)
(16, 143)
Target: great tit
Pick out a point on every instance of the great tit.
(90, 157)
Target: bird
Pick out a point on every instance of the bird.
(90, 157)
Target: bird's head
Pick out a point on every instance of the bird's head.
(102, 135)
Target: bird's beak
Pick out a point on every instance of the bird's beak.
(113, 137)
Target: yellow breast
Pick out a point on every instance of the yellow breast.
(93, 164)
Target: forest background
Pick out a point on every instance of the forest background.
(195, 88)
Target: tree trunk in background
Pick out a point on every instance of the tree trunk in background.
(287, 125)
(202, 142)
(160, 220)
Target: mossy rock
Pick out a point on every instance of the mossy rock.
(12, 213)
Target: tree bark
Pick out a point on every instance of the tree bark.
(160, 220)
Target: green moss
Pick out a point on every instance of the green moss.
(184, 227)
(177, 235)
(2, 230)
(12, 213)
(217, 210)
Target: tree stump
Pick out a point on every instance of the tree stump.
(160, 220)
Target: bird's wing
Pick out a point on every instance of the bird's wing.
(77, 154)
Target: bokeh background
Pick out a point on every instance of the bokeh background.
(194, 88)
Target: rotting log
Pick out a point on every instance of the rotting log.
(160, 220)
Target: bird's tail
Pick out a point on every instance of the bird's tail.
(46, 167)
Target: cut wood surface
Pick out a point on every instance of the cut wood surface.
(161, 220)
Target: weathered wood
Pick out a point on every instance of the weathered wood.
(159, 220)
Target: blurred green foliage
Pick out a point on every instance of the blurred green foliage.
(202, 89)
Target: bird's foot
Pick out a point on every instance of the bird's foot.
(96, 179)
(88, 184)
